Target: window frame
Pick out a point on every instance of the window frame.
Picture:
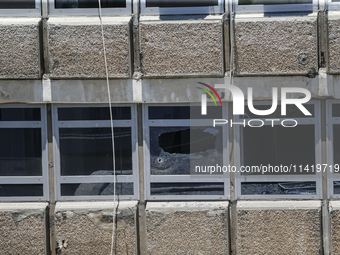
(58, 179)
(333, 5)
(330, 122)
(148, 178)
(260, 8)
(317, 177)
(36, 12)
(43, 179)
(219, 9)
(90, 11)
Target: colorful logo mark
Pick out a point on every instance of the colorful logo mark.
(209, 93)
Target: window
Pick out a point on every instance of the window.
(90, 7)
(177, 140)
(333, 148)
(23, 153)
(333, 4)
(20, 7)
(83, 152)
(168, 7)
(275, 5)
(276, 161)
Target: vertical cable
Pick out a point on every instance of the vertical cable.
(112, 132)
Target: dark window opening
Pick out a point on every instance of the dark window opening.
(187, 189)
(273, 188)
(90, 4)
(17, 4)
(180, 3)
(95, 189)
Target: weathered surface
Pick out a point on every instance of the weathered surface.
(275, 45)
(86, 228)
(181, 48)
(22, 228)
(76, 47)
(334, 209)
(279, 227)
(187, 228)
(19, 51)
(334, 43)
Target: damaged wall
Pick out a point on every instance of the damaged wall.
(86, 228)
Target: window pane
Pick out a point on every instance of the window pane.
(21, 190)
(180, 3)
(90, 3)
(17, 4)
(95, 189)
(20, 114)
(336, 187)
(183, 112)
(247, 2)
(187, 188)
(272, 188)
(20, 152)
(94, 113)
(88, 151)
(279, 145)
(176, 150)
(291, 110)
(336, 145)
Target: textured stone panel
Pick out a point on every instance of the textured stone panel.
(187, 228)
(86, 228)
(76, 47)
(279, 227)
(181, 48)
(19, 51)
(334, 43)
(275, 45)
(22, 228)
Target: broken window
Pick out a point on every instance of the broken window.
(178, 139)
(84, 141)
(166, 7)
(279, 160)
(23, 153)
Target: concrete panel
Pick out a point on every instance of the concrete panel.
(189, 47)
(19, 51)
(275, 45)
(76, 47)
(86, 228)
(334, 210)
(187, 228)
(334, 42)
(23, 228)
(279, 227)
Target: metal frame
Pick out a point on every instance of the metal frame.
(330, 121)
(317, 177)
(36, 12)
(333, 5)
(219, 9)
(95, 179)
(44, 156)
(89, 11)
(274, 8)
(181, 178)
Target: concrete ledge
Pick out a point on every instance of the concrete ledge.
(23, 228)
(75, 47)
(86, 227)
(182, 47)
(19, 51)
(333, 42)
(275, 45)
(187, 228)
(278, 227)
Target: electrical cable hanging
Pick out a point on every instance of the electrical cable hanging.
(111, 122)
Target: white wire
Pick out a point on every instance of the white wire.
(112, 133)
